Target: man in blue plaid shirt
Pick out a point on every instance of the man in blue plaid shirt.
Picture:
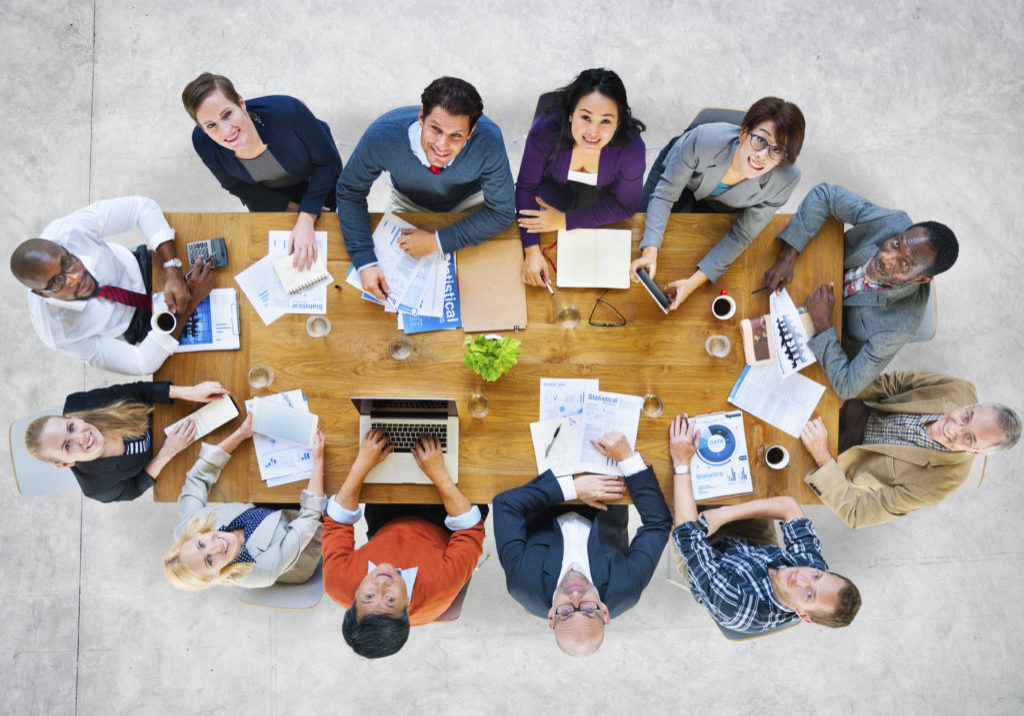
(736, 568)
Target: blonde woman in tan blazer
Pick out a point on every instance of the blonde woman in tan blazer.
(872, 483)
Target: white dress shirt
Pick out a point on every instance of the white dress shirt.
(91, 329)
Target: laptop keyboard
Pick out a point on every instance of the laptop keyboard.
(404, 435)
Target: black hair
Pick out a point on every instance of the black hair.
(454, 96)
(376, 635)
(610, 85)
(943, 242)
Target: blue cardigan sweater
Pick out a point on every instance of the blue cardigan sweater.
(481, 165)
(300, 142)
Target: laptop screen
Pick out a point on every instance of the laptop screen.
(406, 407)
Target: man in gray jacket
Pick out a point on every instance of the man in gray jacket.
(888, 265)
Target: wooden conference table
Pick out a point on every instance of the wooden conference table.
(652, 353)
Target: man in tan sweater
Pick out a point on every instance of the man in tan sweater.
(906, 442)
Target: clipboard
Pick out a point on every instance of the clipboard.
(491, 292)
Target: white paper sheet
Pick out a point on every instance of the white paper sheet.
(260, 284)
(563, 396)
(282, 462)
(603, 412)
(416, 286)
(308, 300)
(791, 349)
(562, 457)
(786, 403)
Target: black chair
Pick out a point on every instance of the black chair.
(705, 116)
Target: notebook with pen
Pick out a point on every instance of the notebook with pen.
(294, 280)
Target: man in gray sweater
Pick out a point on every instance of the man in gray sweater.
(443, 156)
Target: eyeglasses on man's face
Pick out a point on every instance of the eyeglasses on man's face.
(775, 152)
(562, 611)
(69, 264)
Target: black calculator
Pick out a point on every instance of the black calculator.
(209, 249)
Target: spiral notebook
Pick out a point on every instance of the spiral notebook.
(294, 280)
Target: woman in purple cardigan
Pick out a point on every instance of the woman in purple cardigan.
(583, 165)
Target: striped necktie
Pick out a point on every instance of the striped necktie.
(128, 298)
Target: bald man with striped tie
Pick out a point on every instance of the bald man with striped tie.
(92, 299)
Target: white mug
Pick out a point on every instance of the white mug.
(781, 462)
(726, 299)
(164, 322)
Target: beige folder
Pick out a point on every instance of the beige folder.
(491, 292)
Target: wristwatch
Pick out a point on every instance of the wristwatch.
(173, 263)
(682, 470)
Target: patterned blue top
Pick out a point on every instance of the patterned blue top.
(248, 521)
(731, 578)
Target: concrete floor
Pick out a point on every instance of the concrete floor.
(915, 105)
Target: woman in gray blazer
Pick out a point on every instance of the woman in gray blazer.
(241, 544)
(721, 167)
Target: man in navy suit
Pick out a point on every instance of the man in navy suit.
(573, 564)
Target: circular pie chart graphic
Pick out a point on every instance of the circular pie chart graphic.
(717, 444)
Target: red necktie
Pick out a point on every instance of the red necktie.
(128, 298)
(435, 170)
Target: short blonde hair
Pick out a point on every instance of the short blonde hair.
(181, 577)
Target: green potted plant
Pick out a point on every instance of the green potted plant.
(491, 356)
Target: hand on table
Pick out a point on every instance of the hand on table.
(176, 293)
(594, 489)
(814, 436)
(417, 242)
(302, 242)
(245, 431)
(533, 272)
(428, 455)
(648, 260)
(682, 440)
(199, 283)
(178, 439)
(819, 305)
(614, 445)
(374, 282)
(781, 272)
(318, 445)
(203, 392)
(547, 218)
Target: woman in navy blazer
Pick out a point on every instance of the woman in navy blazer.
(271, 153)
(588, 138)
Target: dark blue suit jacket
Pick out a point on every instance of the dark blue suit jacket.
(300, 142)
(530, 542)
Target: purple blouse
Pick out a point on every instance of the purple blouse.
(620, 176)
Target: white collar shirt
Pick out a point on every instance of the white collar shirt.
(90, 329)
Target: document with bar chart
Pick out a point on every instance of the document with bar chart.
(213, 326)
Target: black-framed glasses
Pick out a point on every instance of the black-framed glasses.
(564, 610)
(605, 324)
(775, 152)
(69, 263)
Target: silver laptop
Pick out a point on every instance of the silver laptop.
(405, 420)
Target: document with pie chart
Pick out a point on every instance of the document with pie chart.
(721, 466)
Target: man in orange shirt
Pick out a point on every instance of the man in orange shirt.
(417, 558)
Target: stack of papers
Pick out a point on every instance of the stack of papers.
(424, 291)
(786, 403)
(580, 413)
(262, 286)
(281, 461)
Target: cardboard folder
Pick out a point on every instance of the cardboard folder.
(491, 290)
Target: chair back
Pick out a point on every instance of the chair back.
(288, 596)
(707, 115)
(733, 635)
(35, 477)
(455, 608)
(546, 101)
(930, 323)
